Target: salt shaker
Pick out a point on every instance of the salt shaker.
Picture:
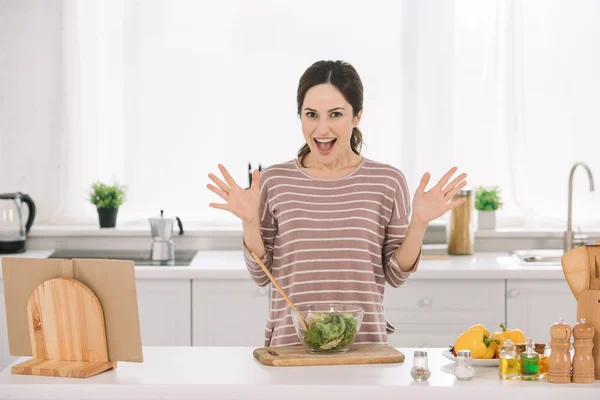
(583, 361)
(420, 370)
(464, 370)
(559, 361)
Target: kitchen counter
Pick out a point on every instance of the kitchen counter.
(233, 373)
(230, 265)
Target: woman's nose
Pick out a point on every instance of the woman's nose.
(324, 127)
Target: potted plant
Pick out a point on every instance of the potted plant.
(107, 199)
(487, 201)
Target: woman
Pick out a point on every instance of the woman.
(331, 225)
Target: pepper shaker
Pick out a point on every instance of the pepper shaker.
(583, 361)
(559, 361)
(420, 370)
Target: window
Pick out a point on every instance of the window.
(159, 92)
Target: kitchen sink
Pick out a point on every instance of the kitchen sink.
(183, 258)
(538, 256)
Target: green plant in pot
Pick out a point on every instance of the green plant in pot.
(487, 201)
(107, 199)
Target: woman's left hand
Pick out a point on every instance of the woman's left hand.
(434, 203)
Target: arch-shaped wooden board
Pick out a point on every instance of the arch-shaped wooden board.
(66, 322)
(576, 268)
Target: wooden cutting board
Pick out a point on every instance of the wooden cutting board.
(588, 307)
(298, 356)
(66, 322)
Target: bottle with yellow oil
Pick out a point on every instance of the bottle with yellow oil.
(508, 366)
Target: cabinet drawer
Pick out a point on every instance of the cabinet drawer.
(445, 302)
(533, 306)
(229, 313)
(165, 312)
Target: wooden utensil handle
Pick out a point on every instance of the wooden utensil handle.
(279, 289)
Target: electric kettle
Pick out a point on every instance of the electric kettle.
(13, 229)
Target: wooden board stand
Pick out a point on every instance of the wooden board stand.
(299, 356)
(67, 331)
(581, 267)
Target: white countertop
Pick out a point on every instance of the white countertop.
(230, 265)
(233, 373)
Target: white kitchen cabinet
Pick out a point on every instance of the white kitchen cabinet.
(229, 312)
(432, 313)
(165, 312)
(5, 357)
(534, 305)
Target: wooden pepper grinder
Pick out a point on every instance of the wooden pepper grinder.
(559, 361)
(583, 361)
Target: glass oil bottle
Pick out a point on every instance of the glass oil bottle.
(530, 363)
(508, 364)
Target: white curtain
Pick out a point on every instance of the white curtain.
(93, 111)
(158, 92)
(507, 90)
(556, 92)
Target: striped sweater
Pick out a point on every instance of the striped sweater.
(331, 241)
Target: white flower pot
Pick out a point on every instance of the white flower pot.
(486, 220)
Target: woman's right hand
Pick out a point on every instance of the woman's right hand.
(243, 203)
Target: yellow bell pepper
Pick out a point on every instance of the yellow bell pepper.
(481, 328)
(516, 335)
(494, 348)
(474, 339)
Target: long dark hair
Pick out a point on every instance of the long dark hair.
(344, 77)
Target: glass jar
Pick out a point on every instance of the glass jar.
(464, 371)
(540, 348)
(420, 370)
(460, 233)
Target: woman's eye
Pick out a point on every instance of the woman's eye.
(336, 114)
(311, 114)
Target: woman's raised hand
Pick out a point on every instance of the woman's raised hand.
(432, 204)
(243, 203)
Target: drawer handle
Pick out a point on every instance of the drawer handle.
(513, 293)
(425, 302)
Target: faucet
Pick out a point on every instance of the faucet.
(568, 238)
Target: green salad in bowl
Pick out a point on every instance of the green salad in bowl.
(327, 328)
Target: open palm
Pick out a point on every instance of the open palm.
(432, 204)
(243, 203)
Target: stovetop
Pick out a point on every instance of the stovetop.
(183, 258)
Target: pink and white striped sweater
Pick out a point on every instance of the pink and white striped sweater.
(331, 241)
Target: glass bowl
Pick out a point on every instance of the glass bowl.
(327, 328)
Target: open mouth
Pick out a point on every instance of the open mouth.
(325, 145)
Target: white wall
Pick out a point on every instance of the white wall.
(30, 100)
